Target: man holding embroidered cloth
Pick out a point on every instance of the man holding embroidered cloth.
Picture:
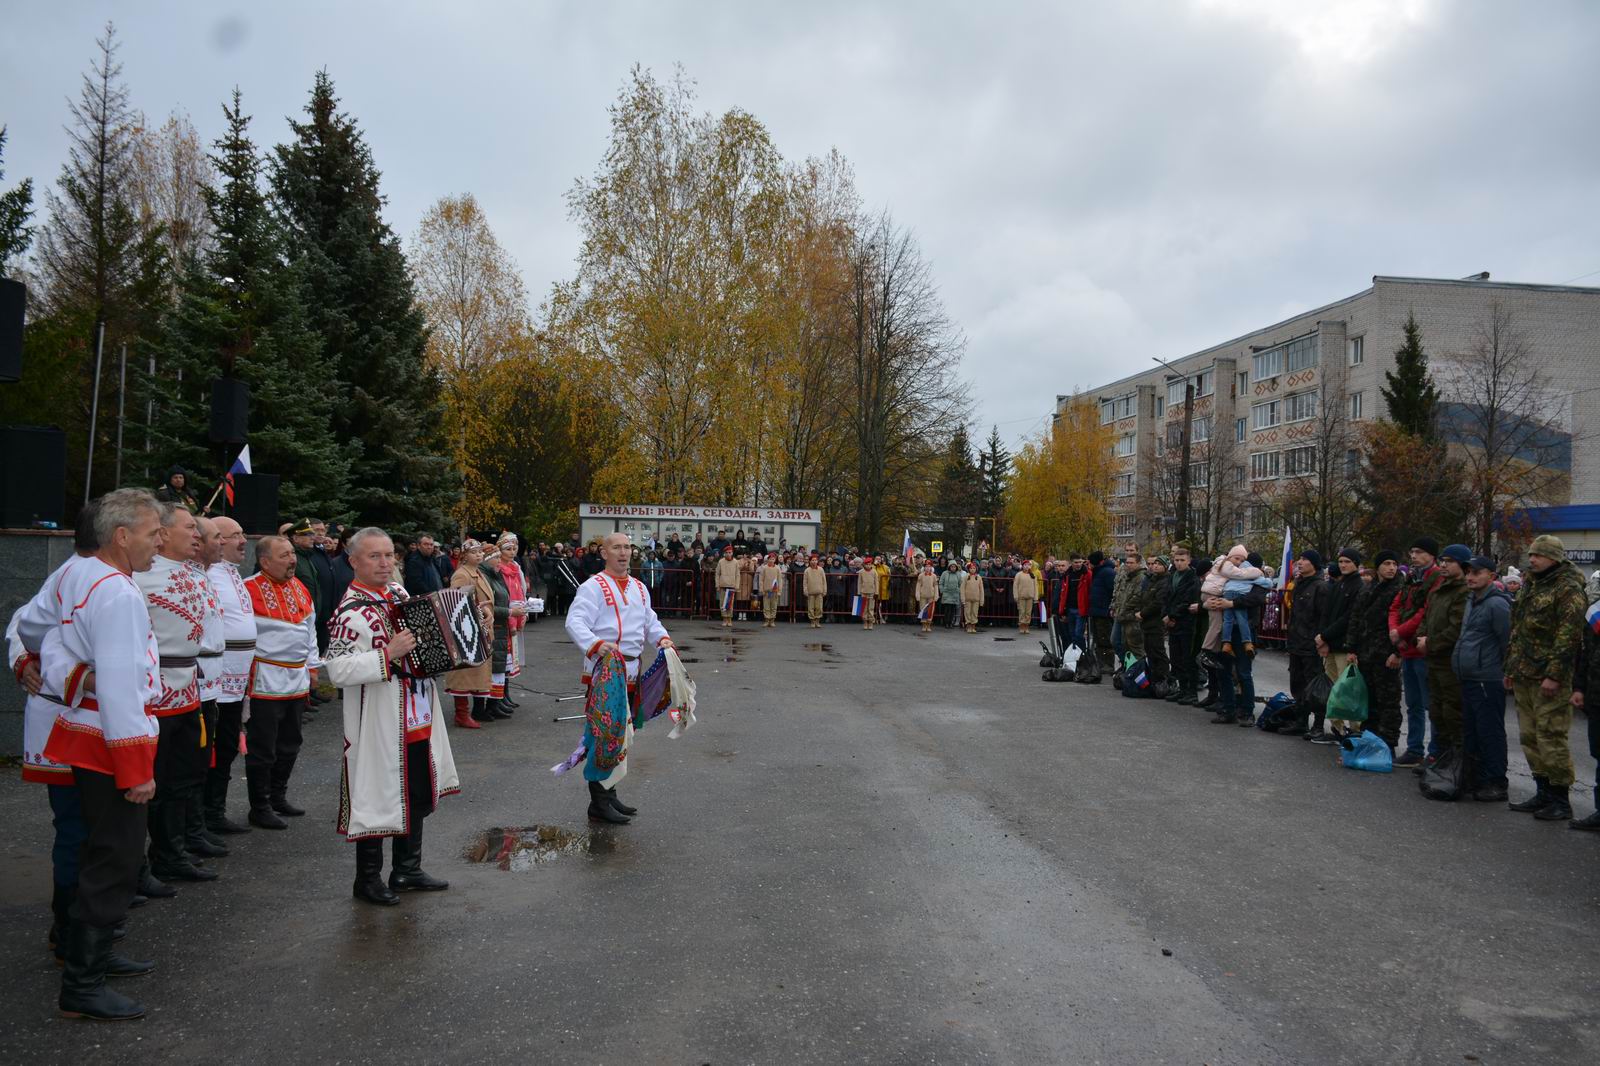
(397, 761)
(611, 619)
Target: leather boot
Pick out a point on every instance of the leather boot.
(1211, 698)
(618, 805)
(509, 703)
(600, 808)
(480, 712)
(1559, 809)
(61, 932)
(494, 711)
(150, 887)
(167, 858)
(262, 816)
(1591, 822)
(369, 874)
(216, 809)
(83, 978)
(464, 719)
(506, 706)
(405, 871)
(196, 841)
(1535, 802)
(282, 767)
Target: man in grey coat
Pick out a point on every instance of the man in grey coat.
(1479, 663)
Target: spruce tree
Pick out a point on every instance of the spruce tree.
(241, 314)
(359, 302)
(1412, 400)
(16, 209)
(959, 492)
(996, 464)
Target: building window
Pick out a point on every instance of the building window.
(1300, 406)
(1263, 466)
(1175, 393)
(1202, 430)
(1238, 475)
(1356, 412)
(1238, 523)
(1238, 431)
(1107, 412)
(1157, 407)
(1297, 462)
(1268, 364)
(1125, 444)
(1300, 354)
(1244, 382)
(1122, 485)
(1264, 415)
(1205, 383)
(1122, 525)
(1356, 347)
(1175, 435)
(1161, 446)
(1352, 463)
(1200, 475)
(1116, 407)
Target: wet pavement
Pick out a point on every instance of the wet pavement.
(874, 847)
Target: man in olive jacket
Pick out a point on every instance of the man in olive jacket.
(1547, 623)
(1124, 605)
(1436, 639)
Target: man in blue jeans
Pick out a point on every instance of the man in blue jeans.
(1479, 664)
(1404, 618)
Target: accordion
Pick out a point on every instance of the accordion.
(448, 630)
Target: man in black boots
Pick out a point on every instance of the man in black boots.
(238, 658)
(1305, 620)
(285, 674)
(1181, 608)
(1375, 654)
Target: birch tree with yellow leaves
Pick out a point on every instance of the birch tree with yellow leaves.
(1059, 482)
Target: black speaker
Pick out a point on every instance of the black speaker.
(255, 502)
(33, 475)
(13, 301)
(230, 411)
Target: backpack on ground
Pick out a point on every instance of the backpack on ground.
(1278, 712)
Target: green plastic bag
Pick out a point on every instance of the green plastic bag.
(1348, 700)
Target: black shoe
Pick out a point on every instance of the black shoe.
(1490, 793)
(1559, 809)
(618, 805)
(118, 966)
(1535, 802)
(1209, 701)
(416, 881)
(509, 703)
(405, 872)
(152, 888)
(281, 804)
(1188, 698)
(1247, 720)
(1323, 738)
(83, 978)
(1226, 718)
(204, 848)
(600, 808)
(221, 823)
(1314, 735)
(138, 901)
(265, 818)
(480, 710)
(1590, 823)
(187, 871)
(369, 884)
(1410, 758)
(495, 711)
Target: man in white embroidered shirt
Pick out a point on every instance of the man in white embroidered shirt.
(612, 611)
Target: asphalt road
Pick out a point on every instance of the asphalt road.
(874, 847)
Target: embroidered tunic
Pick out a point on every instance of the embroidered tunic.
(616, 610)
(286, 638)
(103, 625)
(238, 632)
(383, 712)
(179, 602)
(25, 635)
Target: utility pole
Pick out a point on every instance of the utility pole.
(1182, 524)
(94, 411)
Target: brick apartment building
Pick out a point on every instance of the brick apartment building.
(1264, 401)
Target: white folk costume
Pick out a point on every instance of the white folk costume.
(616, 610)
(286, 638)
(25, 634)
(386, 717)
(177, 596)
(231, 689)
(112, 732)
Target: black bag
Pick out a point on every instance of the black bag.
(1137, 683)
(1315, 700)
(1443, 780)
(1059, 673)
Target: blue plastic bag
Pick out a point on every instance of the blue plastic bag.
(1367, 751)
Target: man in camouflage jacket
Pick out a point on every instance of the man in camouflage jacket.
(1374, 652)
(1130, 580)
(1546, 636)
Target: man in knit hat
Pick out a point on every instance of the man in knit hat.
(1436, 639)
(1547, 622)
(1404, 618)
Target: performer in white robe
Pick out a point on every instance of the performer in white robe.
(103, 641)
(397, 760)
(611, 612)
(238, 660)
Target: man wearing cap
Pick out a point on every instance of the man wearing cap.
(1306, 601)
(1404, 619)
(1333, 635)
(1126, 633)
(815, 586)
(972, 595)
(1547, 624)
(1373, 652)
(1025, 592)
(1436, 638)
(315, 573)
(727, 581)
(1479, 664)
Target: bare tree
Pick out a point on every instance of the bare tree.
(1315, 495)
(1216, 489)
(168, 175)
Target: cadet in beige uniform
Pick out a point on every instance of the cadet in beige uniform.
(727, 578)
(816, 587)
(927, 596)
(770, 581)
(971, 597)
(867, 589)
(1025, 590)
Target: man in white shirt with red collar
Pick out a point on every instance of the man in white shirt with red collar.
(286, 666)
(238, 661)
(612, 611)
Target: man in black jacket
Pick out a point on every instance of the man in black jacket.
(1374, 652)
(1333, 635)
(1180, 610)
(1305, 621)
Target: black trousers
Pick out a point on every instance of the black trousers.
(274, 736)
(952, 615)
(226, 748)
(1101, 628)
(1383, 699)
(1154, 635)
(108, 865)
(419, 779)
(181, 759)
(1184, 667)
(1304, 669)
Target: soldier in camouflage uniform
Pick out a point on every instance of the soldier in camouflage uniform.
(1130, 580)
(1374, 652)
(1546, 636)
(1148, 605)
(1437, 636)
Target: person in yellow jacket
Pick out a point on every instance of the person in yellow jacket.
(927, 596)
(1025, 590)
(727, 578)
(769, 580)
(883, 589)
(971, 597)
(815, 588)
(867, 589)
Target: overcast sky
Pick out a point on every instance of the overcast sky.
(1094, 183)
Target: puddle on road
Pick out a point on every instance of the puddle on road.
(519, 848)
(826, 649)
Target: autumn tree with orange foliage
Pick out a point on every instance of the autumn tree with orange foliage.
(1059, 482)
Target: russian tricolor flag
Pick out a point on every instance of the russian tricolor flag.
(855, 606)
(906, 549)
(1044, 615)
(1593, 618)
(240, 465)
(727, 599)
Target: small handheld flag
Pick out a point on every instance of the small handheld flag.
(927, 611)
(855, 606)
(1593, 617)
(1288, 557)
(241, 465)
(727, 599)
